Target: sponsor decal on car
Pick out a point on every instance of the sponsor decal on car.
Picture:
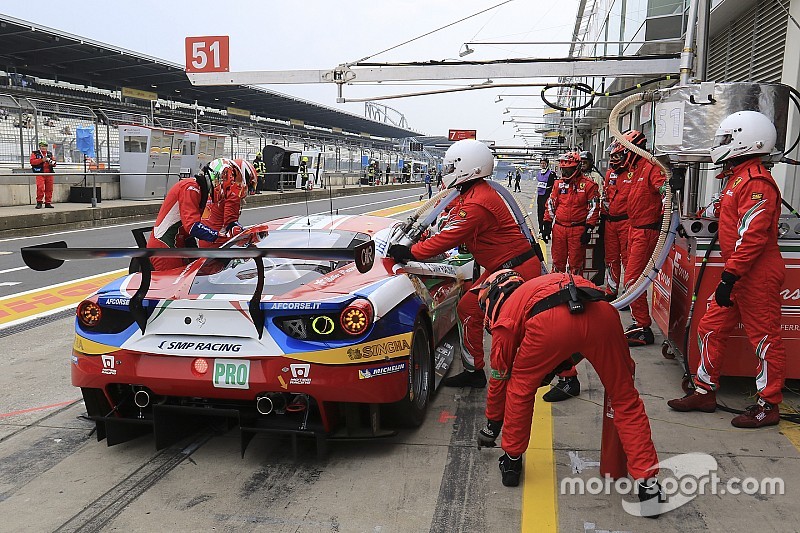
(108, 365)
(387, 348)
(295, 305)
(368, 373)
(376, 350)
(300, 374)
(116, 301)
(199, 346)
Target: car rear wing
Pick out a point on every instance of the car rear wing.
(52, 255)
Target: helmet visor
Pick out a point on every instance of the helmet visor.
(448, 168)
(722, 140)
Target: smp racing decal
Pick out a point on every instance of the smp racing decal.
(200, 346)
(368, 373)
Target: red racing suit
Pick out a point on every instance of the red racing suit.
(573, 205)
(44, 175)
(526, 348)
(222, 214)
(481, 220)
(615, 210)
(748, 239)
(178, 218)
(644, 214)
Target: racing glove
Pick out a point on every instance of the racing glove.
(723, 293)
(586, 237)
(400, 253)
(487, 436)
(547, 230)
(234, 229)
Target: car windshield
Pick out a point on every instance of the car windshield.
(239, 276)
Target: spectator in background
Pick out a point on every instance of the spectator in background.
(42, 163)
(510, 177)
(517, 178)
(388, 170)
(439, 184)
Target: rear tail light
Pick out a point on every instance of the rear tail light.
(199, 366)
(356, 318)
(89, 313)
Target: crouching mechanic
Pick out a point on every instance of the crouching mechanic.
(480, 219)
(543, 324)
(179, 219)
(230, 179)
(753, 274)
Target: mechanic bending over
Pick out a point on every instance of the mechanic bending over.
(539, 327)
(230, 179)
(178, 220)
(483, 222)
(751, 281)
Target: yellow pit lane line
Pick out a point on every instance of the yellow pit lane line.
(539, 496)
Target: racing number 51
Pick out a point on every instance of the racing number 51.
(207, 54)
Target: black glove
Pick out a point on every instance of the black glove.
(400, 253)
(586, 237)
(487, 436)
(547, 230)
(723, 293)
(678, 179)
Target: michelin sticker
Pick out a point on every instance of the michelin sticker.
(368, 373)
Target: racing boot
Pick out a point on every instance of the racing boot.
(475, 379)
(639, 336)
(650, 497)
(699, 400)
(758, 415)
(565, 389)
(487, 436)
(510, 470)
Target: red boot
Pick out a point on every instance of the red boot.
(696, 401)
(758, 415)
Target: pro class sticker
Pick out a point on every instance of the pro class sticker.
(231, 374)
(368, 373)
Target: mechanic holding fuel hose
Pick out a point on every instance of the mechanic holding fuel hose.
(482, 220)
(539, 327)
(748, 209)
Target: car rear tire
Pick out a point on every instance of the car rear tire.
(410, 411)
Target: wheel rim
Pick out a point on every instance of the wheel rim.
(420, 369)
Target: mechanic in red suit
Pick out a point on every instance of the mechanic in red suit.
(753, 274)
(571, 215)
(615, 210)
(481, 220)
(179, 218)
(230, 179)
(644, 216)
(536, 327)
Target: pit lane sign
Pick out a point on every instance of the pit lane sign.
(207, 54)
(457, 135)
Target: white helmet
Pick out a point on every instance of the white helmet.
(466, 160)
(744, 133)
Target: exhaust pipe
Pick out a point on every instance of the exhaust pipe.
(264, 405)
(271, 402)
(141, 399)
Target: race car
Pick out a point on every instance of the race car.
(272, 333)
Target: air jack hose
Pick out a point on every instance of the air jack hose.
(669, 222)
(413, 229)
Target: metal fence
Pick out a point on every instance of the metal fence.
(24, 121)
